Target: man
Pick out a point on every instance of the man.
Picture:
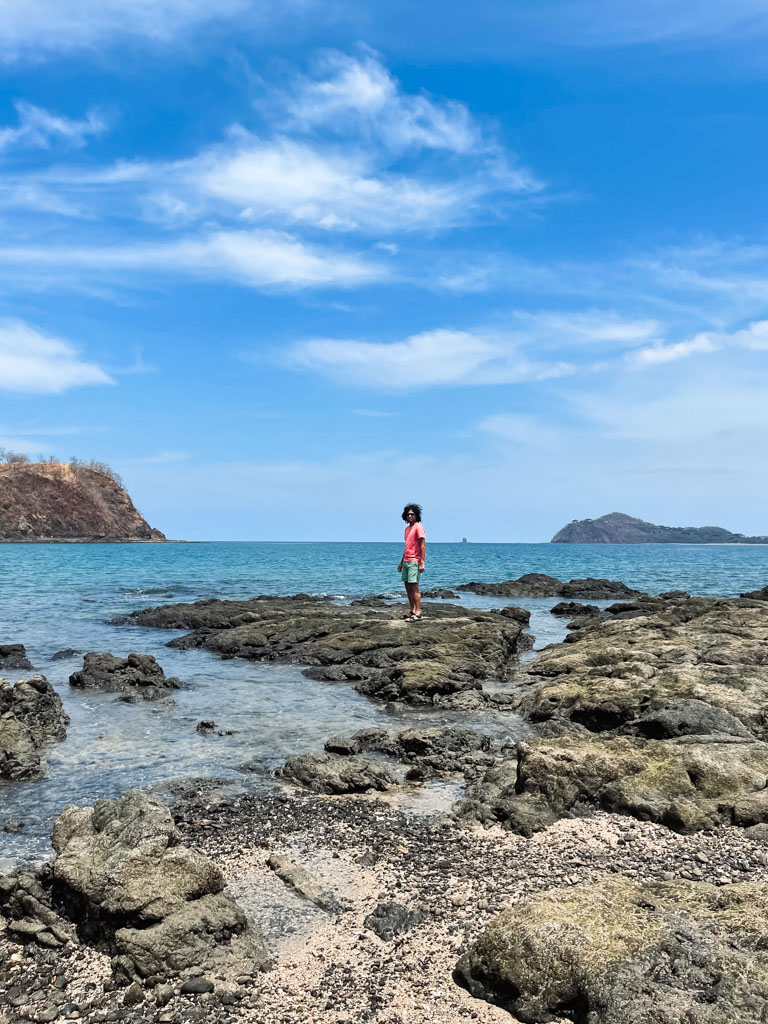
(412, 563)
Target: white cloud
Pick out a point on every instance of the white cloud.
(35, 363)
(671, 353)
(36, 27)
(287, 181)
(431, 359)
(254, 258)
(38, 128)
(358, 94)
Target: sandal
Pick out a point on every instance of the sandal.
(413, 618)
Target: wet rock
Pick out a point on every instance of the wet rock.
(13, 826)
(13, 656)
(138, 677)
(453, 650)
(757, 595)
(31, 715)
(67, 652)
(570, 609)
(537, 584)
(588, 952)
(298, 878)
(205, 728)
(335, 774)
(391, 919)
(687, 784)
(448, 750)
(440, 594)
(121, 864)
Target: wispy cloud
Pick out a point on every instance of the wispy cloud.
(38, 128)
(35, 363)
(357, 94)
(34, 28)
(431, 359)
(256, 258)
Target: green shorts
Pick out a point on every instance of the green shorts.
(411, 572)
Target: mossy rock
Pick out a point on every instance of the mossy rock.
(613, 673)
(688, 784)
(620, 952)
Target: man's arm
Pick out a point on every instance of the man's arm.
(422, 553)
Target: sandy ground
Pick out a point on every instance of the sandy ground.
(331, 967)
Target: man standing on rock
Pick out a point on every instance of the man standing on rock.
(412, 563)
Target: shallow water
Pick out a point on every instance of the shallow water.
(58, 596)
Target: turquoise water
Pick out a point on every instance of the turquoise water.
(57, 596)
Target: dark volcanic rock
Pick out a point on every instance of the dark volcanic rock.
(570, 609)
(391, 919)
(13, 656)
(440, 594)
(450, 750)
(335, 774)
(137, 677)
(536, 584)
(68, 652)
(620, 952)
(452, 650)
(122, 877)
(757, 595)
(31, 715)
(659, 711)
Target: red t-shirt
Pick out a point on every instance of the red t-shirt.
(413, 533)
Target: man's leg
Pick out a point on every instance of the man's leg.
(414, 597)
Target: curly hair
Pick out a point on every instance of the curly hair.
(412, 508)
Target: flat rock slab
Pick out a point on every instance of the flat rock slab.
(31, 715)
(538, 584)
(452, 650)
(137, 677)
(619, 952)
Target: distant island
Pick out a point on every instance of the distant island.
(618, 528)
(67, 502)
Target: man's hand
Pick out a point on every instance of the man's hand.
(400, 567)
(421, 567)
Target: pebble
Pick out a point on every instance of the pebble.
(196, 986)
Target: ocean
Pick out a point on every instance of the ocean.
(55, 596)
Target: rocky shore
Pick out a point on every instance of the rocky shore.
(610, 869)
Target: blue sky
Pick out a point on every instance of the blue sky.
(288, 266)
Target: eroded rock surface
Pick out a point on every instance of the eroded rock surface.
(123, 880)
(659, 711)
(31, 715)
(619, 952)
(335, 774)
(688, 784)
(538, 584)
(137, 677)
(451, 651)
(449, 750)
(13, 656)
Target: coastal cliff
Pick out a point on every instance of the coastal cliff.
(618, 528)
(53, 501)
